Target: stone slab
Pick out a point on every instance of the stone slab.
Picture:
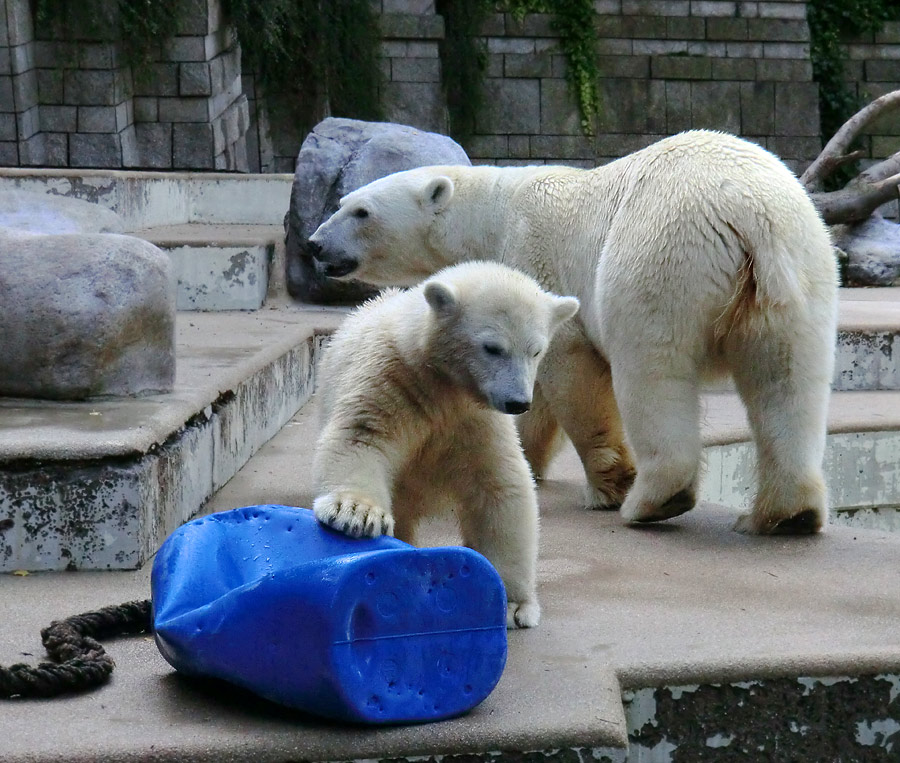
(216, 353)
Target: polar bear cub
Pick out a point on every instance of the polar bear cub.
(697, 255)
(416, 390)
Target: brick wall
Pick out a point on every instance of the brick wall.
(77, 102)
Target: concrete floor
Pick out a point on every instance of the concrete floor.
(686, 602)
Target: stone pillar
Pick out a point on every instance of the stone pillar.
(204, 105)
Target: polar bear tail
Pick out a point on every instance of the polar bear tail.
(764, 279)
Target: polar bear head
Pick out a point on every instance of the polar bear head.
(490, 326)
(380, 231)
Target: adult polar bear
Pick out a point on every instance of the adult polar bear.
(698, 254)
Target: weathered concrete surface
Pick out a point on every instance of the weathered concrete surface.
(222, 267)
(770, 719)
(868, 349)
(84, 315)
(339, 156)
(689, 602)
(151, 199)
(50, 213)
(99, 485)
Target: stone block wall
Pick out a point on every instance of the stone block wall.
(873, 70)
(667, 66)
(72, 99)
(19, 113)
(411, 67)
(79, 102)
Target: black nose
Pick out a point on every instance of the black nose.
(516, 406)
(314, 249)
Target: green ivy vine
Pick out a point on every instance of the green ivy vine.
(831, 24)
(307, 52)
(464, 55)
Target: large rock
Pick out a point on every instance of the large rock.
(50, 213)
(872, 249)
(339, 156)
(84, 315)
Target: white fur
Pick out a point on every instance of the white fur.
(411, 387)
(699, 254)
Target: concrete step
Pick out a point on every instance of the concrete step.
(222, 267)
(99, 484)
(868, 349)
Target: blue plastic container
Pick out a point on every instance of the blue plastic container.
(368, 630)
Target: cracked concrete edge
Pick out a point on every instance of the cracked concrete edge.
(114, 514)
(735, 719)
(149, 199)
(154, 419)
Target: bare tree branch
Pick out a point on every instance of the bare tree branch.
(851, 205)
(837, 146)
(885, 168)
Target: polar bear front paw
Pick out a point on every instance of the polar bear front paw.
(526, 614)
(353, 514)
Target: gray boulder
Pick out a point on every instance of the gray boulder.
(50, 213)
(84, 316)
(872, 250)
(339, 156)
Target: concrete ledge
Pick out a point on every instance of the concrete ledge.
(868, 349)
(99, 485)
(149, 199)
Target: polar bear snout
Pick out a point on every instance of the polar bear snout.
(329, 263)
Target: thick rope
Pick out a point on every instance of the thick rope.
(79, 661)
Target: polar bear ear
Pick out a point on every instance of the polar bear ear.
(437, 193)
(442, 297)
(564, 308)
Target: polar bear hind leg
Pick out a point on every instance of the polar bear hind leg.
(578, 387)
(784, 380)
(661, 414)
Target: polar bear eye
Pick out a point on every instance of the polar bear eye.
(492, 349)
(361, 214)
